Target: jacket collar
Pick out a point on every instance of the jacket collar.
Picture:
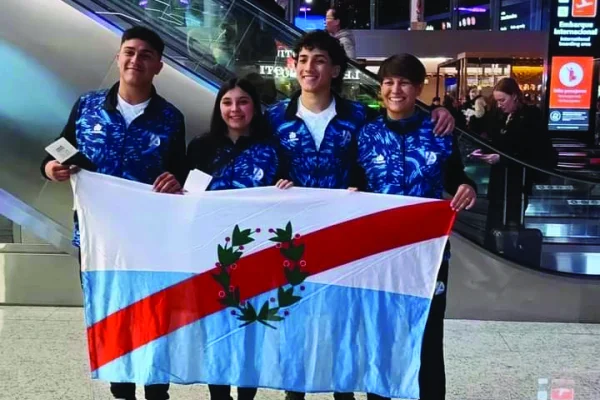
(342, 107)
(111, 102)
(406, 125)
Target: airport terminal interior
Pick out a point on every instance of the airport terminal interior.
(523, 315)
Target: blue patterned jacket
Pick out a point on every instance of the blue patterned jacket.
(247, 163)
(152, 144)
(406, 158)
(333, 166)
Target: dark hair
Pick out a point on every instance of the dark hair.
(340, 15)
(319, 39)
(436, 98)
(146, 35)
(218, 128)
(404, 65)
(510, 87)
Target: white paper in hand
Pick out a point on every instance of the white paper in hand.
(61, 150)
(197, 181)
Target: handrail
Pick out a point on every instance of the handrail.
(41, 225)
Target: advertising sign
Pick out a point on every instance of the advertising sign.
(570, 93)
(573, 44)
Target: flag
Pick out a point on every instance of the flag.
(310, 290)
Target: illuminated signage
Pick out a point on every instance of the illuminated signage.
(573, 45)
(570, 93)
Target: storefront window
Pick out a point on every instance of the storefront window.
(515, 15)
(392, 14)
(474, 15)
(437, 9)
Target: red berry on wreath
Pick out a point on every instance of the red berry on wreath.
(227, 239)
(221, 294)
(297, 236)
(218, 264)
(231, 288)
(278, 245)
(302, 288)
(272, 299)
(233, 313)
(286, 263)
(241, 247)
(302, 263)
(257, 230)
(233, 266)
(286, 313)
(271, 230)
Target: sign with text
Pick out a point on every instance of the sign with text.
(573, 44)
(570, 93)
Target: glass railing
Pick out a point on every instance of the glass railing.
(537, 218)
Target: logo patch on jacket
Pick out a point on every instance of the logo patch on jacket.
(379, 160)
(258, 173)
(97, 128)
(430, 157)
(293, 137)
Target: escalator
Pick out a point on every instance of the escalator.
(210, 41)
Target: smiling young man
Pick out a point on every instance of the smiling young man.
(316, 128)
(401, 155)
(130, 132)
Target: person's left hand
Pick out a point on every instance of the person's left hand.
(464, 198)
(167, 183)
(444, 121)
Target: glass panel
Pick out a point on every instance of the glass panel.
(437, 14)
(550, 217)
(392, 14)
(515, 15)
(474, 15)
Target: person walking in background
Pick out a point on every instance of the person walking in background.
(435, 103)
(520, 132)
(132, 133)
(336, 24)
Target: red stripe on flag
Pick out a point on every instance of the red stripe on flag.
(174, 307)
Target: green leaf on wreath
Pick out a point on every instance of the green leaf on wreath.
(275, 318)
(240, 238)
(264, 311)
(273, 311)
(222, 254)
(222, 278)
(288, 229)
(294, 253)
(296, 276)
(284, 297)
(236, 295)
(251, 310)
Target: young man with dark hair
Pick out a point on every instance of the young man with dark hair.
(401, 155)
(129, 131)
(316, 128)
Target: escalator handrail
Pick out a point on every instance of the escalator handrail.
(36, 222)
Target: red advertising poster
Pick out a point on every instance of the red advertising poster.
(571, 82)
(584, 8)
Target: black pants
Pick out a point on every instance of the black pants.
(223, 392)
(126, 391)
(432, 376)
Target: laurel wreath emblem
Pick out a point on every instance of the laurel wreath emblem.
(274, 309)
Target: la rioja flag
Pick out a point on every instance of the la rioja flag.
(308, 290)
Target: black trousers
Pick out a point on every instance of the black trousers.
(223, 392)
(126, 391)
(432, 376)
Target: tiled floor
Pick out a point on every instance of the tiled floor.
(43, 357)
